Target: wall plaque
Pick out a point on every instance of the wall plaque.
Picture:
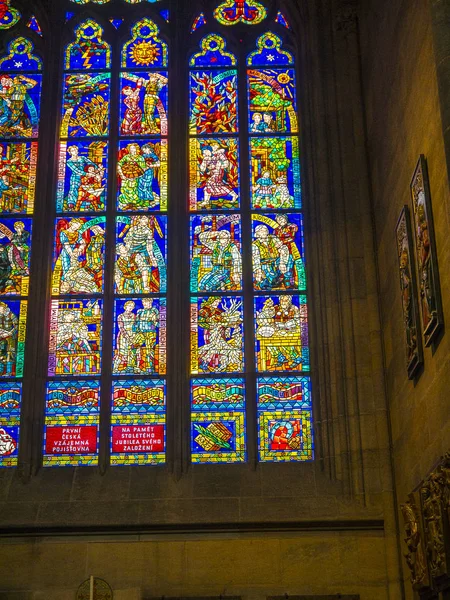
(426, 256)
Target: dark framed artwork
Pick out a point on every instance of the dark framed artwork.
(408, 287)
(426, 257)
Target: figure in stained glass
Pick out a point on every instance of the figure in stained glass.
(12, 337)
(277, 252)
(17, 177)
(19, 105)
(285, 419)
(81, 184)
(213, 102)
(139, 345)
(275, 173)
(15, 239)
(216, 263)
(141, 249)
(86, 105)
(281, 333)
(142, 170)
(79, 256)
(214, 173)
(272, 105)
(144, 104)
(75, 337)
(217, 336)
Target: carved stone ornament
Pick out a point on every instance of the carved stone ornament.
(416, 555)
(346, 18)
(434, 493)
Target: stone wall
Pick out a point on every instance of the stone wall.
(247, 565)
(403, 121)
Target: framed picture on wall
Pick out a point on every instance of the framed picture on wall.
(408, 287)
(426, 257)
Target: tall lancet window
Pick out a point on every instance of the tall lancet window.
(107, 351)
(20, 98)
(249, 327)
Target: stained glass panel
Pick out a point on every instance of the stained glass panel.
(142, 175)
(272, 101)
(72, 416)
(33, 24)
(140, 336)
(75, 337)
(13, 320)
(285, 419)
(231, 12)
(15, 247)
(218, 421)
(270, 53)
(278, 251)
(20, 57)
(17, 177)
(86, 105)
(78, 258)
(141, 249)
(216, 262)
(9, 15)
(213, 102)
(275, 172)
(214, 174)
(10, 401)
(281, 20)
(82, 176)
(199, 21)
(20, 98)
(213, 53)
(145, 49)
(143, 106)
(89, 50)
(281, 333)
(216, 335)
(138, 422)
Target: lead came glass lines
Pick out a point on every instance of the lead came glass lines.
(72, 415)
(284, 405)
(138, 421)
(20, 97)
(218, 429)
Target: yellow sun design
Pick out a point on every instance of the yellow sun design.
(144, 53)
(283, 78)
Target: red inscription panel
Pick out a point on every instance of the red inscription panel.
(71, 440)
(138, 438)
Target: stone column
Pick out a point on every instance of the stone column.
(440, 16)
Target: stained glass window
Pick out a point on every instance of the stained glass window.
(223, 311)
(20, 97)
(218, 403)
(280, 320)
(134, 221)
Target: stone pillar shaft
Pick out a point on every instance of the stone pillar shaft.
(440, 15)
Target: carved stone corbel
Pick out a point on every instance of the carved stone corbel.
(416, 553)
(434, 494)
(346, 18)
